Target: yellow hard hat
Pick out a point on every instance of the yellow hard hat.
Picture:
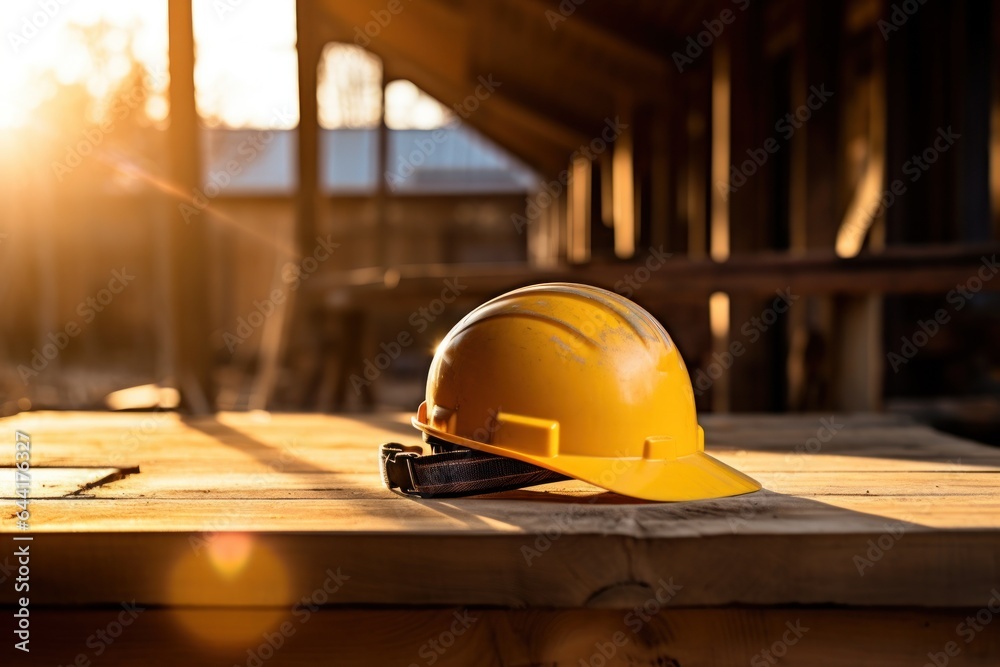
(555, 380)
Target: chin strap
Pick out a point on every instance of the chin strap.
(452, 470)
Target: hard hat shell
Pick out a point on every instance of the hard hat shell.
(580, 381)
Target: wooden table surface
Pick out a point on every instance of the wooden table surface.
(250, 512)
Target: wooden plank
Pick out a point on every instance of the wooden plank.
(190, 315)
(315, 458)
(58, 482)
(343, 510)
(800, 479)
(497, 638)
(301, 492)
(322, 443)
(215, 566)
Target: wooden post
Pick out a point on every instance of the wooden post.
(607, 201)
(297, 311)
(758, 378)
(695, 186)
(719, 304)
(995, 123)
(187, 247)
(971, 38)
(382, 188)
(721, 122)
(623, 188)
(578, 205)
(855, 325)
(660, 212)
(309, 51)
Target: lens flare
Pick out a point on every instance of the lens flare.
(237, 568)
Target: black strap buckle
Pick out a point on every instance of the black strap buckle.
(453, 470)
(394, 466)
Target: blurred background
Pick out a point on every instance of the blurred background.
(237, 204)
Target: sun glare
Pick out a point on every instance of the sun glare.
(245, 71)
(407, 107)
(52, 44)
(246, 74)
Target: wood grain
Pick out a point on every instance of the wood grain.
(863, 510)
(495, 638)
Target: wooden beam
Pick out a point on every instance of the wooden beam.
(617, 62)
(540, 141)
(188, 242)
(449, 72)
(896, 271)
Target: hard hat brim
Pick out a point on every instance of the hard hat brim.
(694, 476)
